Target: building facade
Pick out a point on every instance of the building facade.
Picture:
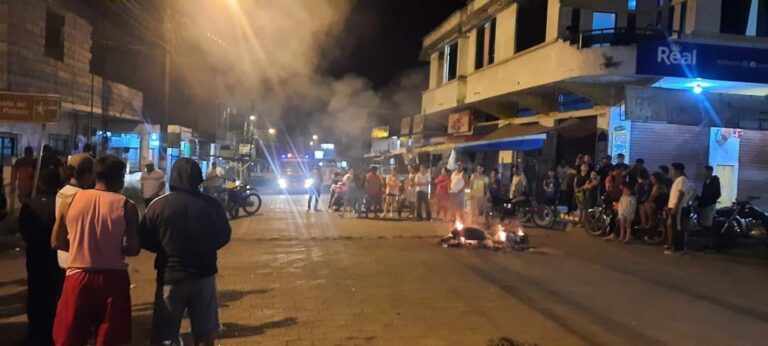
(46, 49)
(539, 82)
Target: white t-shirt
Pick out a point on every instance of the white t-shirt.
(152, 183)
(681, 184)
(422, 182)
(519, 183)
(457, 182)
(64, 195)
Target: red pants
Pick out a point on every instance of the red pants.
(94, 300)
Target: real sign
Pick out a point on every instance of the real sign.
(699, 60)
(29, 107)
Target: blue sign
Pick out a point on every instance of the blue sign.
(698, 60)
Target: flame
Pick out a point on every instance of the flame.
(520, 232)
(459, 226)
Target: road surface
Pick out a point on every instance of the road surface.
(292, 277)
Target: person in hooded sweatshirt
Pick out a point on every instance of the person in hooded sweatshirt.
(185, 228)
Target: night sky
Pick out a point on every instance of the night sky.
(382, 38)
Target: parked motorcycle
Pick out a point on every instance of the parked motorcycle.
(601, 221)
(527, 211)
(750, 221)
(240, 196)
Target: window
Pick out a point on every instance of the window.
(450, 57)
(604, 21)
(485, 52)
(7, 147)
(54, 36)
(531, 24)
(59, 143)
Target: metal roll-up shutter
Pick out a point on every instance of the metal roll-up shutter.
(662, 144)
(753, 167)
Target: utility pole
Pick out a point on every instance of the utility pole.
(163, 118)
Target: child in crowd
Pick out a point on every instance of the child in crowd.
(627, 208)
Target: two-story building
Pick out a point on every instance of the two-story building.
(46, 48)
(539, 82)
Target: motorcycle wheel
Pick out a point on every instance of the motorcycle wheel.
(252, 203)
(600, 226)
(543, 216)
(589, 220)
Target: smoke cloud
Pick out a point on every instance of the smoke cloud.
(268, 56)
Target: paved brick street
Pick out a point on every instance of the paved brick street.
(295, 278)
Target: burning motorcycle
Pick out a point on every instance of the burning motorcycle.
(504, 237)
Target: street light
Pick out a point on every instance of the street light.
(311, 143)
(272, 131)
(252, 117)
(314, 137)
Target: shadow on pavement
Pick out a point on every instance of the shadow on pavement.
(224, 298)
(235, 330)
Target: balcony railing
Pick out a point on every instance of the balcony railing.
(620, 36)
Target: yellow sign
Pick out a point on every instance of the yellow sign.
(29, 107)
(380, 132)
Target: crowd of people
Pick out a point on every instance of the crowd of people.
(79, 228)
(638, 198)
(420, 195)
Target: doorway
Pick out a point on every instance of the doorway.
(727, 175)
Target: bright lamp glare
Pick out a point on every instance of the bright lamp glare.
(698, 89)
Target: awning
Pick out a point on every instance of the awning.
(524, 143)
(512, 131)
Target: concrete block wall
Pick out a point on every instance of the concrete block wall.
(24, 67)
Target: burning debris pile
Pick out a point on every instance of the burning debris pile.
(502, 236)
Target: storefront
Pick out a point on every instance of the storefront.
(707, 108)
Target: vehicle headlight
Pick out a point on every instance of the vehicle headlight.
(308, 183)
(282, 183)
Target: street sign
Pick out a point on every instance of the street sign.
(29, 107)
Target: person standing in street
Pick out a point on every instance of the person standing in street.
(152, 183)
(456, 192)
(604, 171)
(666, 179)
(392, 193)
(620, 164)
(566, 188)
(494, 189)
(637, 169)
(442, 194)
(423, 181)
(710, 193)
(316, 178)
(185, 229)
(582, 185)
(478, 194)
(101, 229)
(678, 210)
(519, 186)
(374, 189)
(44, 277)
(23, 175)
(79, 173)
(551, 188)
